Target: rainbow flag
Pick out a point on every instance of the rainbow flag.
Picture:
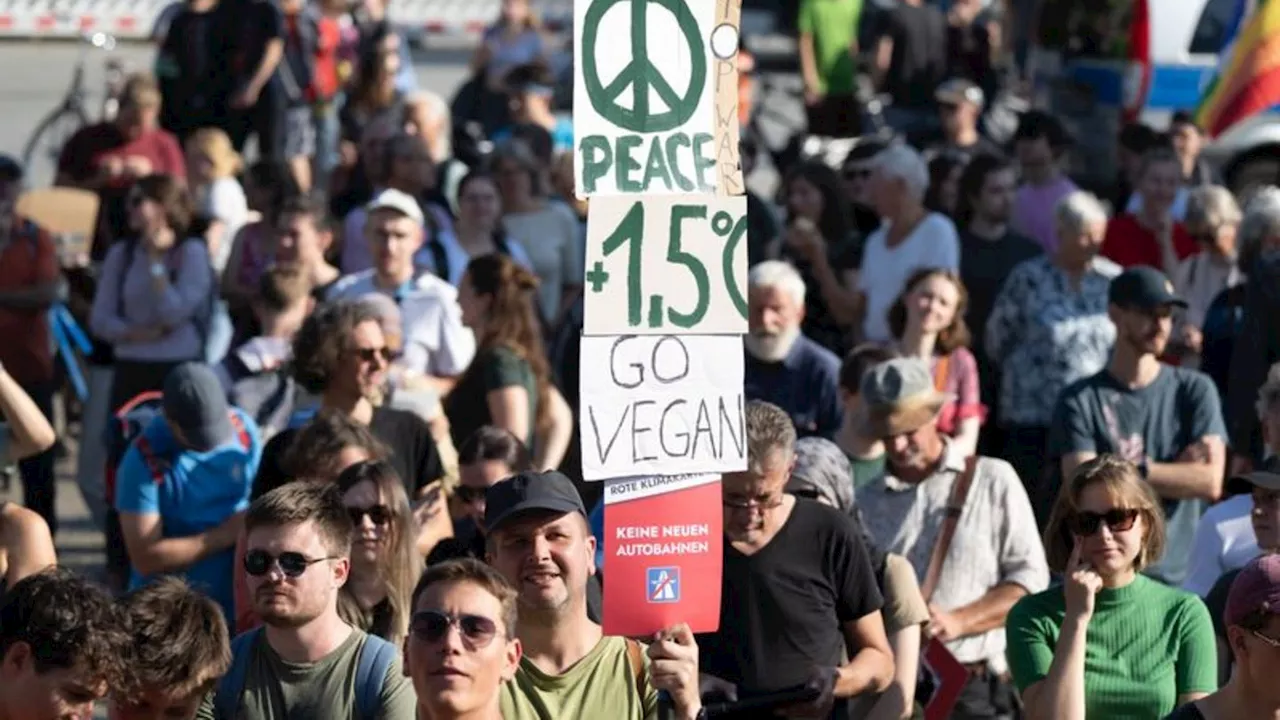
(1248, 79)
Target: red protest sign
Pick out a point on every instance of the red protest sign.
(945, 676)
(663, 545)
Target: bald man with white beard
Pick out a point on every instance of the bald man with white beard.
(783, 366)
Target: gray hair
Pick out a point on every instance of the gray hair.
(780, 275)
(1212, 206)
(1078, 210)
(769, 431)
(1261, 221)
(902, 162)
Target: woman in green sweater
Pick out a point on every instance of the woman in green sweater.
(1108, 642)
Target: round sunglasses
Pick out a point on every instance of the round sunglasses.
(378, 514)
(1117, 520)
(293, 564)
(430, 626)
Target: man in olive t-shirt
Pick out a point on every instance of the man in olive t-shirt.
(303, 663)
(540, 541)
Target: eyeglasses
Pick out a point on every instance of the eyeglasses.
(467, 494)
(1268, 640)
(384, 353)
(762, 504)
(1118, 520)
(259, 562)
(430, 626)
(378, 514)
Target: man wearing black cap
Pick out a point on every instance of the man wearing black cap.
(184, 483)
(1165, 419)
(540, 541)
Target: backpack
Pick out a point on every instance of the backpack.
(271, 409)
(126, 425)
(372, 665)
(126, 430)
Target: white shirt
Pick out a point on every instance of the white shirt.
(932, 244)
(435, 341)
(995, 541)
(1223, 541)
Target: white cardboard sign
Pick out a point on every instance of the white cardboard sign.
(655, 97)
(665, 265)
(662, 405)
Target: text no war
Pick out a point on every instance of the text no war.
(661, 405)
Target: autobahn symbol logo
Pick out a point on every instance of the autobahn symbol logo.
(664, 584)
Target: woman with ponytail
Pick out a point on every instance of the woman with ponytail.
(508, 383)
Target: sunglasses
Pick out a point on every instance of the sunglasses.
(857, 173)
(258, 563)
(136, 199)
(430, 626)
(378, 514)
(1088, 523)
(468, 494)
(386, 354)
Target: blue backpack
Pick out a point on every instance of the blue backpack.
(372, 666)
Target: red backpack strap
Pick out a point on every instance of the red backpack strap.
(242, 432)
(150, 459)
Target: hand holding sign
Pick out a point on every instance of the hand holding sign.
(674, 668)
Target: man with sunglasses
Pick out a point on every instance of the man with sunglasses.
(1252, 620)
(1262, 488)
(305, 662)
(1166, 420)
(460, 674)
(539, 539)
(960, 104)
(964, 522)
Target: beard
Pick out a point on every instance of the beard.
(771, 347)
(291, 614)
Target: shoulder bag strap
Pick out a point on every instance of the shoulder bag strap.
(941, 373)
(372, 666)
(636, 656)
(955, 507)
(226, 699)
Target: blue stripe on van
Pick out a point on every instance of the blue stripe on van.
(1177, 87)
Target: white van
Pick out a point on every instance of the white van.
(1098, 64)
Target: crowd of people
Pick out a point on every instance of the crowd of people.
(331, 435)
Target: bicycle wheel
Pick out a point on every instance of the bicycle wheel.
(40, 156)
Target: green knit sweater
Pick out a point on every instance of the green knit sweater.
(1147, 643)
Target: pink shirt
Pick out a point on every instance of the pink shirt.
(961, 383)
(1033, 208)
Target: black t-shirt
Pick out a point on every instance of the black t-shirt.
(919, 61)
(984, 265)
(819, 325)
(782, 609)
(414, 454)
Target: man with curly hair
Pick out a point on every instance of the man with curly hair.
(63, 643)
(340, 355)
(180, 648)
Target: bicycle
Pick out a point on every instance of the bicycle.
(72, 114)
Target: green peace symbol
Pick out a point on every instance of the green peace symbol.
(640, 74)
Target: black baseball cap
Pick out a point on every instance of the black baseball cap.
(1143, 287)
(548, 491)
(1267, 476)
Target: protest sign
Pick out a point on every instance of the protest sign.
(663, 547)
(661, 405)
(666, 265)
(655, 97)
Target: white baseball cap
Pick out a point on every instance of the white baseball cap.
(399, 201)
